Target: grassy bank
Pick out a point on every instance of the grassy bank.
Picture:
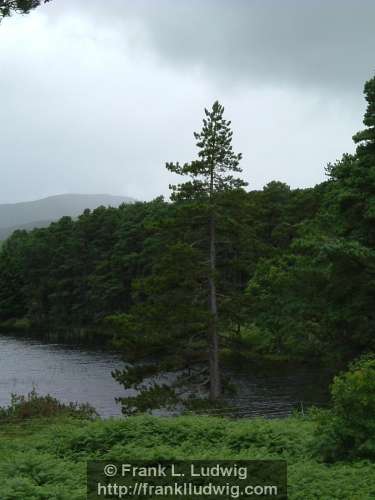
(45, 459)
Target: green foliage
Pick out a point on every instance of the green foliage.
(212, 172)
(315, 297)
(137, 275)
(73, 274)
(48, 460)
(171, 310)
(17, 325)
(34, 405)
(354, 179)
(294, 269)
(7, 7)
(347, 431)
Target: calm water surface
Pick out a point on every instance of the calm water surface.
(73, 373)
(66, 372)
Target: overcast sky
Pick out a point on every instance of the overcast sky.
(97, 95)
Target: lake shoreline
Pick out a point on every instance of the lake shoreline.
(83, 374)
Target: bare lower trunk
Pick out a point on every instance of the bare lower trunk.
(213, 337)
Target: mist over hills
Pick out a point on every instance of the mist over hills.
(40, 213)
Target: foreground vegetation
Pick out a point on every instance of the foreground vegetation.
(330, 453)
(46, 459)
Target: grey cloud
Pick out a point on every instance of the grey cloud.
(318, 43)
(99, 95)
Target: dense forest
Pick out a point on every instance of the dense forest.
(205, 303)
(294, 268)
(77, 275)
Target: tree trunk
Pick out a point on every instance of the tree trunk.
(213, 337)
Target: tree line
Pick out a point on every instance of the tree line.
(279, 271)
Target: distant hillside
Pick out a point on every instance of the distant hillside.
(7, 231)
(40, 213)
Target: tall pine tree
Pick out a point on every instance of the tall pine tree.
(210, 175)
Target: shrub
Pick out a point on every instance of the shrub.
(347, 431)
(34, 405)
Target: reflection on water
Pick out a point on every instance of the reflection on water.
(66, 372)
(280, 394)
(75, 374)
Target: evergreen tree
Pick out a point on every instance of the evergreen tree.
(7, 7)
(210, 175)
(317, 296)
(354, 180)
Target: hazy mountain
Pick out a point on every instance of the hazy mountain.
(40, 213)
(7, 231)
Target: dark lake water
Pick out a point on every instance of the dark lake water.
(73, 373)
